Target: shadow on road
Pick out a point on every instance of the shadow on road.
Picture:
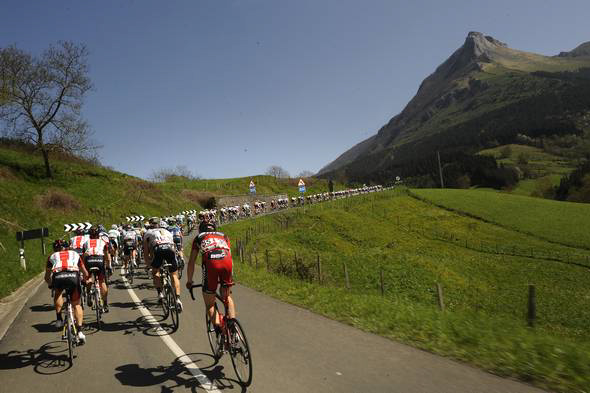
(49, 359)
(42, 308)
(176, 375)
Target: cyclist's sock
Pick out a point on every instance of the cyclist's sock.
(159, 290)
(58, 316)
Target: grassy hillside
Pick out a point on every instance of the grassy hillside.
(541, 170)
(78, 192)
(558, 222)
(483, 268)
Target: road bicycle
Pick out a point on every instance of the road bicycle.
(69, 331)
(130, 269)
(232, 340)
(169, 304)
(94, 296)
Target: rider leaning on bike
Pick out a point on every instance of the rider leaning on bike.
(158, 246)
(129, 245)
(96, 254)
(216, 268)
(63, 272)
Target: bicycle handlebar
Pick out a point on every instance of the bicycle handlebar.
(192, 287)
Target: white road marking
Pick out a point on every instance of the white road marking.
(176, 350)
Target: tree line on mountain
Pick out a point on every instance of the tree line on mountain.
(575, 187)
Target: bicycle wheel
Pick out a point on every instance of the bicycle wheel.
(130, 270)
(213, 340)
(173, 309)
(241, 358)
(165, 300)
(97, 306)
(70, 338)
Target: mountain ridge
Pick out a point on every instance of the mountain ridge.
(465, 85)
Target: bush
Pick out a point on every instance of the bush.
(58, 200)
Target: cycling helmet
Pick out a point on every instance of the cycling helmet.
(79, 232)
(60, 245)
(163, 224)
(206, 226)
(101, 228)
(172, 221)
(114, 226)
(155, 222)
(94, 232)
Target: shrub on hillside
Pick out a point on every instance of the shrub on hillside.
(57, 200)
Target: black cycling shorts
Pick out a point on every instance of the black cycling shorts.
(70, 281)
(95, 261)
(165, 253)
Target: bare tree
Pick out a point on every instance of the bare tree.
(277, 171)
(169, 174)
(305, 173)
(42, 97)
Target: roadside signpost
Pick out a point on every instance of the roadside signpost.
(39, 233)
(301, 185)
(252, 187)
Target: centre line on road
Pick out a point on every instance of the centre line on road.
(180, 354)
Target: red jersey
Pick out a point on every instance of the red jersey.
(210, 241)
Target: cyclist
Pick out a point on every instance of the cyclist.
(129, 246)
(216, 268)
(78, 241)
(158, 246)
(176, 232)
(96, 254)
(63, 272)
(114, 241)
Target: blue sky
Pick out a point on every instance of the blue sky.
(228, 88)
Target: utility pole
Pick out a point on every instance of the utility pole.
(442, 183)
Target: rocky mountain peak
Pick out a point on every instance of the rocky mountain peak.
(479, 44)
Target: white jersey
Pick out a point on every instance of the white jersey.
(94, 247)
(114, 234)
(64, 261)
(158, 237)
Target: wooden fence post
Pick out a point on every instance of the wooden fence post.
(439, 291)
(532, 306)
(256, 258)
(382, 283)
(346, 280)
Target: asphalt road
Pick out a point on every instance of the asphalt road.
(293, 350)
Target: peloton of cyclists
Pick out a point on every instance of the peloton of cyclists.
(63, 273)
(216, 268)
(158, 247)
